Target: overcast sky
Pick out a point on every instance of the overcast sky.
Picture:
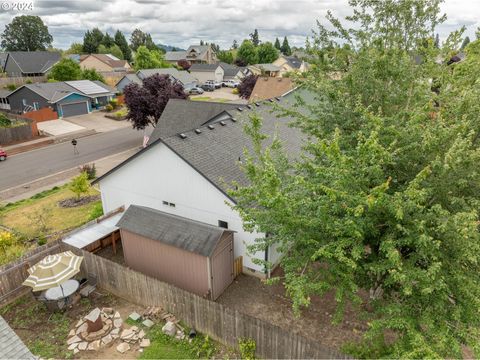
(182, 22)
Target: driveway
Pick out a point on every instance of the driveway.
(58, 127)
(223, 94)
(98, 122)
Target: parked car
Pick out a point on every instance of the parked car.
(230, 83)
(3, 155)
(208, 87)
(216, 84)
(195, 91)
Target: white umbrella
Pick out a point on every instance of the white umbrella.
(53, 270)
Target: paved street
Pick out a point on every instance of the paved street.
(23, 168)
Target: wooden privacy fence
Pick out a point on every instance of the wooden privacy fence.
(13, 274)
(221, 323)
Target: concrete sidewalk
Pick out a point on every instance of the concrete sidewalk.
(26, 191)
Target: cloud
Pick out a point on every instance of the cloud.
(220, 21)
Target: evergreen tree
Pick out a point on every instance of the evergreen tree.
(122, 43)
(149, 43)
(465, 42)
(254, 38)
(235, 44)
(285, 48)
(137, 39)
(437, 41)
(202, 43)
(108, 40)
(277, 44)
(92, 40)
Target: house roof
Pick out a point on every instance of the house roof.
(267, 67)
(183, 76)
(175, 55)
(215, 150)
(293, 61)
(229, 70)
(133, 78)
(4, 93)
(34, 61)
(108, 59)
(184, 115)
(11, 347)
(183, 233)
(203, 67)
(269, 87)
(56, 91)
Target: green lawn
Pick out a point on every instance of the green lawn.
(206, 98)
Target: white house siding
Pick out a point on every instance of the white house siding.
(203, 76)
(160, 175)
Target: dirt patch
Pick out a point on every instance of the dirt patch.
(73, 202)
(251, 296)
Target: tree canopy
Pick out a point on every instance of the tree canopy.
(254, 38)
(266, 53)
(92, 40)
(65, 70)
(382, 209)
(247, 53)
(139, 38)
(146, 103)
(285, 48)
(122, 43)
(26, 33)
(149, 59)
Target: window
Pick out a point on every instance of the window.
(223, 224)
(166, 203)
(24, 102)
(36, 106)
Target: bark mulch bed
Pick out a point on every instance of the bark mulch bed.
(73, 202)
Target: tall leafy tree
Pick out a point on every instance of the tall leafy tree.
(92, 74)
(65, 70)
(75, 48)
(266, 53)
(437, 41)
(26, 33)
(146, 103)
(122, 43)
(277, 44)
(247, 53)
(149, 59)
(285, 48)
(254, 38)
(385, 199)
(137, 39)
(225, 56)
(92, 40)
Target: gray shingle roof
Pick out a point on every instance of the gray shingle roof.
(185, 115)
(34, 61)
(229, 70)
(293, 61)
(183, 76)
(11, 346)
(175, 55)
(215, 153)
(183, 233)
(203, 67)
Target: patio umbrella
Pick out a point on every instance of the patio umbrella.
(53, 270)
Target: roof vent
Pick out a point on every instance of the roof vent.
(257, 104)
(198, 131)
(234, 119)
(277, 98)
(271, 100)
(182, 135)
(223, 123)
(211, 127)
(249, 106)
(240, 109)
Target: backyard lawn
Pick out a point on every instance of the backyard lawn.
(206, 98)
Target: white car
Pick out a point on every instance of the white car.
(230, 83)
(215, 84)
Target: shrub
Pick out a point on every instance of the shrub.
(96, 212)
(11, 87)
(235, 91)
(42, 240)
(4, 121)
(90, 170)
(114, 103)
(28, 81)
(247, 348)
(109, 107)
(10, 247)
(80, 185)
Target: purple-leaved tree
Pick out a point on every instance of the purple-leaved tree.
(245, 88)
(146, 103)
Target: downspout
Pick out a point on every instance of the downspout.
(267, 270)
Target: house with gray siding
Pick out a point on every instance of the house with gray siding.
(67, 98)
(29, 63)
(183, 77)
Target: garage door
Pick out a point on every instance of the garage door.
(75, 109)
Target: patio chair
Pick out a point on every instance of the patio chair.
(90, 285)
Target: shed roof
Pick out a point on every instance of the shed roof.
(34, 61)
(183, 233)
(11, 346)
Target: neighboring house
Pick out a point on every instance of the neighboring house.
(290, 64)
(184, 77)
(3, 58)
(192, 255)
(232, 72)
(30, 63)
(195, 54)
(265, 70)
(189, 170)
(205, 72)
(104, 63)
(270, 87)
(67, 98)
(4, 103)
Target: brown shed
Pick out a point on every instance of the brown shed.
(192, 255)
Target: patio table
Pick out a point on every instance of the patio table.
(64, 291)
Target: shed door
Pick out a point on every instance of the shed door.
(222, 267)
(74, 109)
